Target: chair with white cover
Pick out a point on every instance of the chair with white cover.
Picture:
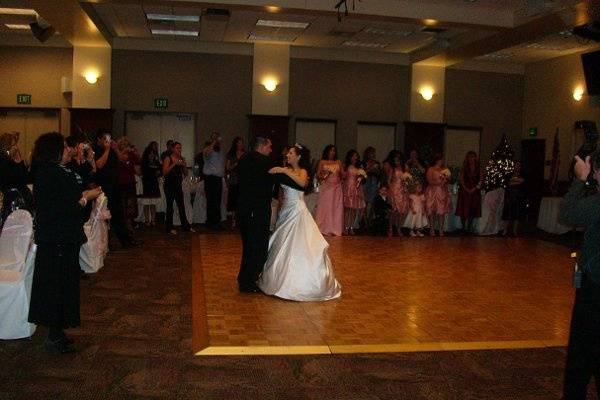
(17, 259)
(93, 252)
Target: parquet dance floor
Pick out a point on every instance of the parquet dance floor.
(398, 294)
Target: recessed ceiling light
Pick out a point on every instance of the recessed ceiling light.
(18, 11)
(282, 24)
(17, 26)
(272, 38)
(174, 18)
(173, 32)
(378, 31)
(353, 43)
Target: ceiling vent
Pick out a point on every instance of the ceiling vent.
(217, 14)
(431, 29)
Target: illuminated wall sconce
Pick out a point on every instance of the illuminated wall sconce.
(426, 92)
(270, 84)
(91, 77)
(578, 93)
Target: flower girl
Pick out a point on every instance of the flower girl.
(418, 219)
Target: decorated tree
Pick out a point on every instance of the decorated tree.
(500, 166)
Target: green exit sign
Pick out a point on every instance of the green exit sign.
(161, 104)
(532, 132)
(23, 98)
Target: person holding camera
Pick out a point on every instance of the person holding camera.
(583, 354)
(174, 170)
(13, 171)
(214, 171)
(107, 176)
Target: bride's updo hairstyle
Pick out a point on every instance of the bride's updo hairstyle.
(304, 162)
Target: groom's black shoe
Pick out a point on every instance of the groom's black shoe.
(249, 289)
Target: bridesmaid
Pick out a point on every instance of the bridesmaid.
(329, 214)
(468, 205)
(354, 199)
(398, 192)
(437, 196)
(371, 186)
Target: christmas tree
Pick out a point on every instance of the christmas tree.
(500, 166)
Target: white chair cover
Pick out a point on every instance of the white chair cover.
(15, 240)
(16, 276)
(491, 213)
(93, 252)
(199, 208)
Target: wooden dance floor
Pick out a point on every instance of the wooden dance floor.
(398, 294)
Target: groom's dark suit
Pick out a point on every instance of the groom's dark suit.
(254, 213)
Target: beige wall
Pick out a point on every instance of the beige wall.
(432, 78)
(95, 60)
(349, 92)
(36, 71)
(549, 104)
(271, 62)
(488, 100)
(216, 87)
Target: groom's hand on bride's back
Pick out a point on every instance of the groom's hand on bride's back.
(276, 170)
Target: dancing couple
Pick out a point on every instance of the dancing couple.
(293, 264)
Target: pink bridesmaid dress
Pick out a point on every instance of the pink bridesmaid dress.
(329, 214)
(437, 196)
(354, 196)
(398, 192)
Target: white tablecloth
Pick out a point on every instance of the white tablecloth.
(548, 218)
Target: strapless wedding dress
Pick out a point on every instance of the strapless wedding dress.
(298, 266)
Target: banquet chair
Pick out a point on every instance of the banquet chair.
(17, 259)
(93, 252)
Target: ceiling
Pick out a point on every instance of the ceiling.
(500, 31)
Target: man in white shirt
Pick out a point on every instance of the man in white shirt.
(214, 171)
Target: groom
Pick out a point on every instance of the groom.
(254, 209)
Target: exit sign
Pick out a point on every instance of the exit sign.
(23, 98)
(161, 104)
(532, 132)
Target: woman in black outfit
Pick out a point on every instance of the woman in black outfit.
(13, 172)
(515, 202)
(151, 171)
(174, 169)
(59, 200)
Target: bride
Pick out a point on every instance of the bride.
(298, 267)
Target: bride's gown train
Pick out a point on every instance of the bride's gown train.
(298, 266)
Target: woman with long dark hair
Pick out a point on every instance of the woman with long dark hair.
(468, 205)
(371, 186)
(174, 170)
(329, 213)
(437, 196)
(354, 200)
(398, 180)
(235, 153)
(59, 202)
(298, 267)
(151, 171)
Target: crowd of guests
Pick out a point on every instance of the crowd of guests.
(403, 195)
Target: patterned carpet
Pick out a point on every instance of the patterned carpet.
(135, 342)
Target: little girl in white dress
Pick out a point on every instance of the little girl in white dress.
(418, 219)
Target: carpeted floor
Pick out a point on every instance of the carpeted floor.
(135, 342)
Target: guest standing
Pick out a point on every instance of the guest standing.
(174, 170)
(371, 186)
(353, 195)
(437, 196)
(167, 151)
(234, 155)
(381, 212)
(468, 205)
(107, 176)
(398, 181)
(329, 214)
(59, 199)
(13, 171)
(583, 353)
(415, 167)
(129, 163)
(214, 170)
(515, 202)
(151, 171)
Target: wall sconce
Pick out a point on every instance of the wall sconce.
(270, 84)
(91, 77)
(578, 93)
(426, 92)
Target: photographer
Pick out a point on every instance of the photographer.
(583, 355)
(214, 171)
(13, 171)
(82, 159)
(107, 176)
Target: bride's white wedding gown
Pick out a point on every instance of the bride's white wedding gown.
(298, 267)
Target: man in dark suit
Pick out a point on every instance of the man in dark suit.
(254, 209)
